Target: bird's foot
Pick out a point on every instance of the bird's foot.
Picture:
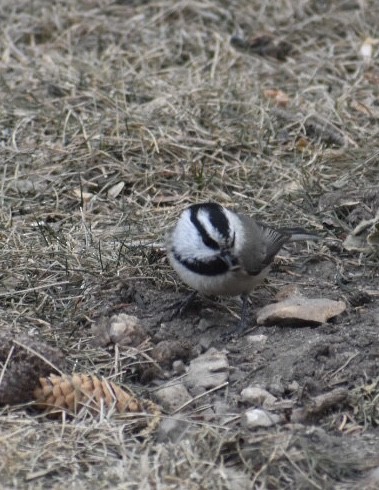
(244, 322)
(179, 307)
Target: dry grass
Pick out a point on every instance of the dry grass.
(113, 117)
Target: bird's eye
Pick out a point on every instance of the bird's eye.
(209, 242)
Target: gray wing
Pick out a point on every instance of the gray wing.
(274, 242)
(262, 244)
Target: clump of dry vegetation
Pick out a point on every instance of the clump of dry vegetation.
(114, 116)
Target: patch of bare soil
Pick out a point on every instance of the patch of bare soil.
(115, 116)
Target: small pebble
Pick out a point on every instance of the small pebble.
(259, 418)
(257, 396)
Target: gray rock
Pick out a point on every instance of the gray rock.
(207, 371)
(172, 396)
(257, 396)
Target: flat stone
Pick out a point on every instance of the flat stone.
(207, 371)
(300, 310)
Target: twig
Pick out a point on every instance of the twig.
(222, 385)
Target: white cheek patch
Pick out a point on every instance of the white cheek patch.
(188, 241)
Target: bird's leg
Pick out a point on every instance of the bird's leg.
(243, 323)
(179, 307)
(245, 314)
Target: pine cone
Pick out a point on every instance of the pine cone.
(71, 393)
(24, 367)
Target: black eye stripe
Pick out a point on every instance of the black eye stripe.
(208, 241)
(216, 217)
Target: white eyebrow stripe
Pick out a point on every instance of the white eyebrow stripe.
(236, 228)
(203, 217)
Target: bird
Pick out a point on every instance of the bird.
(219, 252)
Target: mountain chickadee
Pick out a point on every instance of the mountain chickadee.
(219, 252)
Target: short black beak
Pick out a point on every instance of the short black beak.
(230, 260)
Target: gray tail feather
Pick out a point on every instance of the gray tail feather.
(298, 234)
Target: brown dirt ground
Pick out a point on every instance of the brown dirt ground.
(114, 116)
